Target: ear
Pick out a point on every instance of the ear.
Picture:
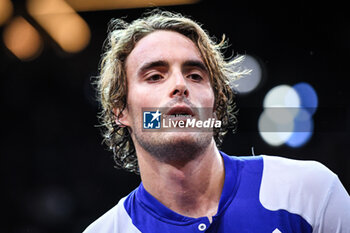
(121, 118)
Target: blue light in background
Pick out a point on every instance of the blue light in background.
(288, 106)
(303, 122)
(308, 96)
(303, 129)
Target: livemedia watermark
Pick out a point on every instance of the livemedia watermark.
(180, 118)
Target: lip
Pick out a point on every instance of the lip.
(183, 109)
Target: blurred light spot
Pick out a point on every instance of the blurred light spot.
(251, 81)
(6, 9)
(272, 132)
(303, 129)
(282, 96)
(303, 122)
(22, 39)
(276, 123)
(308, 96)
(93, 5)
(61, 22)
(287, 115)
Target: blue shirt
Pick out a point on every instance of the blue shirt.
(260, 194)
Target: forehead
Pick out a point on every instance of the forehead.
(163, 45)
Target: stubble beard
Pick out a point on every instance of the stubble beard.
(174, 148)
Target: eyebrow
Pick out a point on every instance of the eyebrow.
(197, 64)
(152, 64)
(160, 63)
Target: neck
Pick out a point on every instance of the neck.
(192, 189)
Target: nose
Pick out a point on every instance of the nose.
(180, 86)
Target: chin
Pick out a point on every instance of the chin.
(175, 147)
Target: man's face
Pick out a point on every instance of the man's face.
(165, 69)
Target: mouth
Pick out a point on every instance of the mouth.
(180, 112)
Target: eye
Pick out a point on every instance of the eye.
(154, 78)
(195, 77)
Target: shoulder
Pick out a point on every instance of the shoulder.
(113, 221)
(308, 176)
(296, 171)
(300, 187)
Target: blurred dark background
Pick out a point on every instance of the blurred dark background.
(56, 176)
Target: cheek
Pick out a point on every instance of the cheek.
(135, 93)
(207, 97)
(140, 97)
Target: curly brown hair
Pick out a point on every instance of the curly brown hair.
(112, 82)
